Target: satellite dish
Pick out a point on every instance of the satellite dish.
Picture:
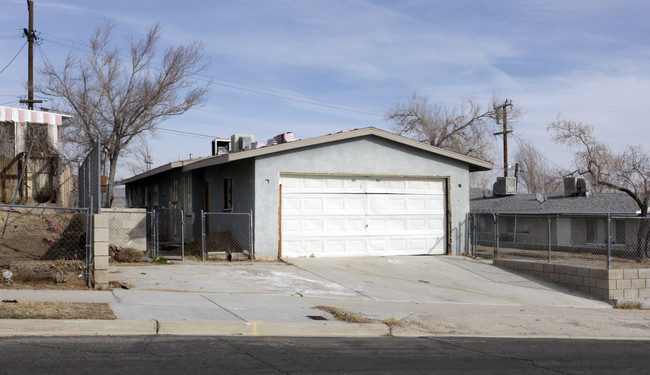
(540, 198)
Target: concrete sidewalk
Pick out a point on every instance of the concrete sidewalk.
(428, 295)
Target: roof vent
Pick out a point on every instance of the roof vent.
(504, 186)
(575, 186)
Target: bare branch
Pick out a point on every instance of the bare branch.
(119, 100)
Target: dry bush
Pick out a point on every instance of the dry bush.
(128, 255)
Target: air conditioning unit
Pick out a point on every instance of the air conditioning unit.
(504, 186)
(220, 146)
(239, 142)
(575, 186)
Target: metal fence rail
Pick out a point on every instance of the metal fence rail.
(600, 240)
(226, 234)
(46, 243)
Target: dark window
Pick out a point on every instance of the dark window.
(227, 194)
(591, 230)
(619, 226)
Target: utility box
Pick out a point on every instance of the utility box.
(504, 186)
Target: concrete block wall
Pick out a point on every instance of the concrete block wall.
(611, 285)
(100, 249)
(127, 227)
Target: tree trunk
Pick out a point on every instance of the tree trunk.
(111, 178)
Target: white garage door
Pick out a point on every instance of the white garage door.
(354, 216)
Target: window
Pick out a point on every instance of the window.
(619, 230)
(518, 224)
(174, 197)
(188, 196)
(591, 230)
(146, 196)
(227, 194)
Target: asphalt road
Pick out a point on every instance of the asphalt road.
(304, 355)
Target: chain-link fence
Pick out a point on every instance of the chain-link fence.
(130, 234)
(89, 190)
(226, 235)
(598, 241)
(45, 244)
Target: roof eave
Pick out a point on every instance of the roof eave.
(475, 165)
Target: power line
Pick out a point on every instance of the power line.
(189, 134)
(14, 58)
(257, 89)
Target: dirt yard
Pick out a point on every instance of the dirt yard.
(43, 248)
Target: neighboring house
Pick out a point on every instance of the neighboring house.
(357, 192)
(32, 136)
(574, 220)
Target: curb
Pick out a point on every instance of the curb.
(76, 327)
(37, 327)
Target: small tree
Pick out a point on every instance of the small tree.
(534, 171)
(628, 171)
(464, 128)
(119, 99)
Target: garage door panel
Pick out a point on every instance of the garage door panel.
(348, 216)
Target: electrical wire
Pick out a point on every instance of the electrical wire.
(14, 58)
(254, 89)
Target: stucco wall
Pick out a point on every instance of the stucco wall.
(367, 156)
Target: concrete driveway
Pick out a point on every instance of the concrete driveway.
(378, 287)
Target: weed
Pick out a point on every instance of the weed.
(162, 260)
(628, 305)
(344, 315)
(392, 322)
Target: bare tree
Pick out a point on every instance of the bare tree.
(464, 128)
(142, 156)
(628, 171)
(119, 99)
(534, 171)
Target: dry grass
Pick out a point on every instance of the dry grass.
(10, 309)
(392, 322)
(344, 315)
(629, 305)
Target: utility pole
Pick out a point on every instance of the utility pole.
(504, 117)
(31, 37)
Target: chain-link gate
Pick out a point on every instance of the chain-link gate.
(169, 233)
(226, 235)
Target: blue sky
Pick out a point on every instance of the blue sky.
(317, 67)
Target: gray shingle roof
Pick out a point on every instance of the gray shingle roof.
(614, 203)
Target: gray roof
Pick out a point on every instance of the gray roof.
(614, 203)
(187, 165)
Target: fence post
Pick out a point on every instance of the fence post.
(549, 239)
(609, 240)
(496, 235)
(250, 236)
(467, 231)
(202, 235)
(182, 234)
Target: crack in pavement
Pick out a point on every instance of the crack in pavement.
(464, 347)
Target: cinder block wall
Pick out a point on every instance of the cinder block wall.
(612, 285)
(127, 227)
